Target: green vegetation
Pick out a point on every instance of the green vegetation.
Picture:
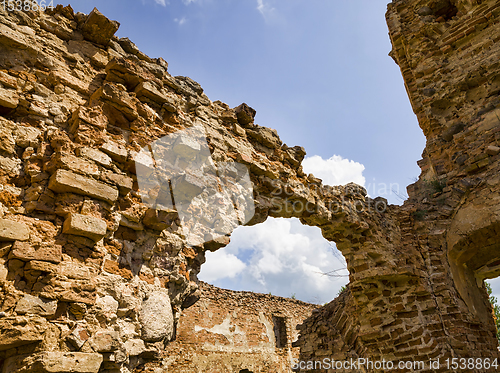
(419, 214)
(496, 309)
(435, 185)
(341, 290)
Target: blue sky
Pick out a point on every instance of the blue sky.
(318, 71)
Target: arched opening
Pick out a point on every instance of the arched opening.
(475, 264)
(280, 257)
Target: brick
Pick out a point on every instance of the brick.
(86, 226)
(9, 98)
(13, 231)
(115, 151)
(98, 28)
(36, 265)
(492, 150)
(105, 341)
(55, 362)
(26, 252)
(68, 182)
(95, 155)
(123, 182)
(36, 306)
(149, 91)
(72, 163)
(20, 330)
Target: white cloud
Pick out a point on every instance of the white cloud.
(181, 21)
(264, 8)
(280, 256)
(221, 264)
(187, 2)
(335, 170)
(161, 2)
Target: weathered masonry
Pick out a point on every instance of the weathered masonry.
(433, 304)
(233, 331)
(93, 280)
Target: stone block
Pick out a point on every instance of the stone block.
(115, 151)
(78, 336)
(7, 80)
(36, 306)
(130, 224)
(10, 166)
(99, 29)
(492, 150)
(159, 220)
(105, 341)
(74, 270)
(134, 347)
(245, 114)
(9, 37)
(26, 252)
(13, 231)
(108, 306)
(186, 147)
(21, 330)
(123, 182)
(72, 163)
(128, 46)
(26, 136)
(117, 97)
(36, 265)
(92, 116)
(95, 155)
(64, 181)
(54, 362)
(66, 79)
(156, 317)
(78, 295)
(96, 55)
(86, 226)
(7, 142)
(265, 136)
(148, 90)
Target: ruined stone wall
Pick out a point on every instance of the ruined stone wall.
(92, 278)
(448, 52)
(229, 331)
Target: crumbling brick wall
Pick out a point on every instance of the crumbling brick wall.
(229, 331)
(92, 279)
(437, 307)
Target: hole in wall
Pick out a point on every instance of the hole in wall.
(245, 371)
(280, 257)
(445, 8)
(475, 260)
(493, 289)
(280, 334)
